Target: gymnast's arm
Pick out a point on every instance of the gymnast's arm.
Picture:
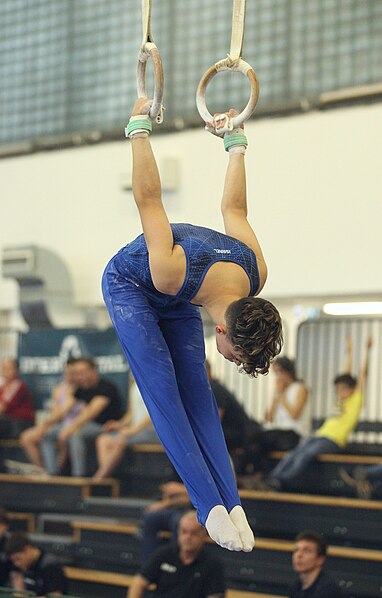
(234, 210)
(148, 197)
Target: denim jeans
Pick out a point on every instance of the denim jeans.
(77, 447)
(374, 474)
(297, 461)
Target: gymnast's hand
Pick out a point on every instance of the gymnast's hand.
(220, 121)
(141, 106)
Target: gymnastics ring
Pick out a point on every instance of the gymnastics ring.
(228, 64)
(150, 50)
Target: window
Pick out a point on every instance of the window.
(69, 67)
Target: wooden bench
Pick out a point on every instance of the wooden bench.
(337, 458)
(9, 443)
(323, 476)
(266, 543)
(61, 494)
(267, 568)
(158, 448)
(25, 522)
(146, 465)
(342, 520)
(124, 581)
(328, 458)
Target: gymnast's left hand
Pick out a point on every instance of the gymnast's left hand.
(220, 121)
(141, 106)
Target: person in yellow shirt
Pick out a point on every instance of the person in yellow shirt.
(332, 436)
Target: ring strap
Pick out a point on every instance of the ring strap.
(237, 34)
(149, 50)
(233, 62)
(146, 16)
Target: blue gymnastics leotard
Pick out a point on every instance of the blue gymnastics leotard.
(162, 337)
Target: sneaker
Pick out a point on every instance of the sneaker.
(357, 479)
(21, 468)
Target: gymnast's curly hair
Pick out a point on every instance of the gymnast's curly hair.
(254, 329)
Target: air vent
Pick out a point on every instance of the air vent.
(18, 260)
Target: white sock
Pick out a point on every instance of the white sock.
(221, 529)
(239, 520)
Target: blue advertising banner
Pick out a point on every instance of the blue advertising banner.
(43, 354)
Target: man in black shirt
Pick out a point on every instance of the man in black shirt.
(183, 571)
(102, 403)
(308, 560)
(42, 572)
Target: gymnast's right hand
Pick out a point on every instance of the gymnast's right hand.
(141, 106)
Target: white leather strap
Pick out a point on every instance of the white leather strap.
(146, 16)
(237, 35)
(233, 62)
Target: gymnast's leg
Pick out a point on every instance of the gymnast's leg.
(136, 323)
(183, 333)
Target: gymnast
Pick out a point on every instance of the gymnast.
(152, 289)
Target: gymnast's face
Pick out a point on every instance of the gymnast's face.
(225, 348)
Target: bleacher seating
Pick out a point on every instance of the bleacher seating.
(323, 477)
(344, 521)
(145, 466)
(35, 493)
(98, 584)
(22, 522)
(79, 523)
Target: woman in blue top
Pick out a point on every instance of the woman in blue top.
(152, 288)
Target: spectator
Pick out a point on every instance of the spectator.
(164, 515)
(288, 418)
(102, 403)
(308, 561)
(64, 409)
(42, 572)
(236, 423)
(8, 576)
(288, 412)
(135, 427)
(16, 404)
(366, 481)
(183, 571)
(332, 436)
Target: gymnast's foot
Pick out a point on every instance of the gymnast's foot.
(239, 520)
(221, 529)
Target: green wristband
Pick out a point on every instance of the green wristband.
(234, 139)
(143, 124)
